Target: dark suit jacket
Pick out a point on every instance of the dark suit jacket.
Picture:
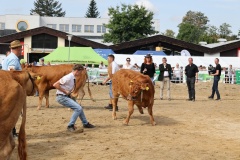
(162, 70)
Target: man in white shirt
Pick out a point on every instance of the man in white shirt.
(64, 88)
(128, 65)
(230, 74)
(101, 65)
(112, 69)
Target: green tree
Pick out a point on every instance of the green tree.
(92, 11)
(210, 35)
(189, 33)
(128, 23)
(169, 33)
(224, 30)
(193, 27)
(50, 8)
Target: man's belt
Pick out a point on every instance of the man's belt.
(62, 95)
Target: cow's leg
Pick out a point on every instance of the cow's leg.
(140, 109)
(81, 95)
(41, 94)
(151, 115)
(114, 104)
(6, 151)
(130, 112)
(47, 98)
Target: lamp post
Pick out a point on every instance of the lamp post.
(69, 39)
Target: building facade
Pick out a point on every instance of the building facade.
(89, 28)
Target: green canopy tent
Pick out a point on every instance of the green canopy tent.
(80, 55)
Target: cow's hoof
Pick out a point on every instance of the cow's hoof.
(38, 108)
(125, 123)
(114, 118)
(154, 124)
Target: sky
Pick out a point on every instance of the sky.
(169, 12)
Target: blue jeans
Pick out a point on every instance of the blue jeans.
(215, 87)
(152, 78)
(110, 90)
(78, 110)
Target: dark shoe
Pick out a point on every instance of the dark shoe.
(112, 109)
(88, 125)
(71, 128)
(218, 99)
(193, 99)
(189, 99)
(108, 107)
(210, 97)
(169, 99)
(161, 98)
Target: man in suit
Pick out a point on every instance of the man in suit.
(165, 76)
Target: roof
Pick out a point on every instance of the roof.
(173, 43)
(213, 45)
(53, 32)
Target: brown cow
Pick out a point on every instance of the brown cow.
(15, 86)
(136, 88)
(51, 74)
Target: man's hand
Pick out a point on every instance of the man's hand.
(196, 80)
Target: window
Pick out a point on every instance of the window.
(101, 29)
(44, 41)
(89, 28)
(2, 26)
(76, 28)
(53, 26)
(64, 27)
(22, 26)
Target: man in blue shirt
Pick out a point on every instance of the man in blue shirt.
(11, 62)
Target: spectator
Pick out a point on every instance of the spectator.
(191, 72)
(148, 67)
(165, 76)
(93, 66)
(200, 68)
(42, 62)
(7, 53)
(101, 65)
(178, 74)
(128, 65)
(217, 76)
(48, 63)
(230, 74)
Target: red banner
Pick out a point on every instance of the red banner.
(22, 48)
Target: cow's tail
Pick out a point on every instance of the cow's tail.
(89, 91)
(22, 136)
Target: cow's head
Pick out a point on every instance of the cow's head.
(135, 89)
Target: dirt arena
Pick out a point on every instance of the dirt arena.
(202, 130)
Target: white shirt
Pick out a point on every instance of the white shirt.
(102, 66)
(115, 67)
(177, 72)
(126, 66)
(66, 83)
(230, 72)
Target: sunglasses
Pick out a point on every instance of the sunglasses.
(128, 60)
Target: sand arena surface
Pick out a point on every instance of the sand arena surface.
(201, 130)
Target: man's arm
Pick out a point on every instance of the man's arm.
(57, 86)
(196, 76)
(215, 74)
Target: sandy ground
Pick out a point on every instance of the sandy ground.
(201, 130)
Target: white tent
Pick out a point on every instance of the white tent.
(181, 60)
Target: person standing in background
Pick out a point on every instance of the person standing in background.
(165, 76)
(178, 73)
(191, 71)
(216, 79)
(148, 67)
(7, 53)
(230, 74)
